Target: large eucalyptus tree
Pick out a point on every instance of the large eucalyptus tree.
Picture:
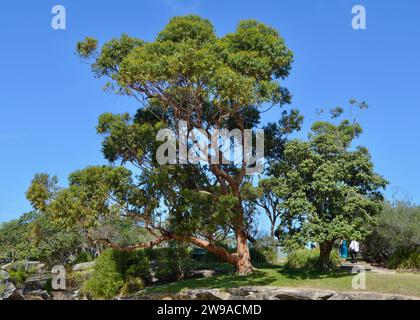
(186, 74)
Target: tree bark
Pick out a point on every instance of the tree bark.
(243, 263)
(272, 230)
(325, 249)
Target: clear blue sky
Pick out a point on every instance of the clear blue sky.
(49, 100)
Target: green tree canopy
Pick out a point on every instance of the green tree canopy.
(328, 189)
(188, 74)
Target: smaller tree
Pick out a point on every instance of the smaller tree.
(46, 240)
(329, 189)
(276, 136)
(269, 202)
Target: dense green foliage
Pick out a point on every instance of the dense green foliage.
(263, 254)
(396, 239)
(40, 236)
(310, 260)
(404, 258)
(170, 263)
(14, 243)
(35, 237)
(118, 272)
(117, 269)
(106, 281)
(328, 189)
(189, 74)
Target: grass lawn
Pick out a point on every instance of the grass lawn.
(399, 283)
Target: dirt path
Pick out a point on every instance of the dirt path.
(364, 266)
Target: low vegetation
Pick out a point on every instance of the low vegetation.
(310, 260)
(395, 241)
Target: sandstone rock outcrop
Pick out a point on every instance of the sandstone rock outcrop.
(272, 293)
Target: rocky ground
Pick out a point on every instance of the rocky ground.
(271, 293)
(36, 286)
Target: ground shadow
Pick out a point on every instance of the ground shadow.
(224, 281)
(299, 274)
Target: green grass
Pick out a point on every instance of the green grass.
(399, 283)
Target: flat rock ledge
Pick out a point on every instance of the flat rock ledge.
(270, 293)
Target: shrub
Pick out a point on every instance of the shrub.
(106, 280)
(113, 269)
(170, 263)
(132, 285)
(48, 286)
(126, 272)
(76, 279)
(18, 277)
(82, 257)
(309, 259)
(19, 273)
(133, 264)
(264, 254)
(405, 258)
(396, 233)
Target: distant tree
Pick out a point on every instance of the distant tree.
(34, 237)
(14, 242)
(269, 202)
(50, 240)
(329, 190)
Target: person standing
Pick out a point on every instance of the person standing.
(343, 250)
(354, 250)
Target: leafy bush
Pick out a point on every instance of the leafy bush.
(132, 285)
(76, 279)
(106, 280)
(309, 259)
(405, 258)
(48, 286)
(18, 277)
(264, 254)
(14, 239)
(113, 269)
(82, 257)
(125, 272)
(396, 235)
(133, 264)
(19, 273)
(170, 263)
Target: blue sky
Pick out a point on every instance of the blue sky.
(50, 102)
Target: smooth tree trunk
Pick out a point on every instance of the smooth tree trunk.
(273, 230)
(243, 257)
(243, 261)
